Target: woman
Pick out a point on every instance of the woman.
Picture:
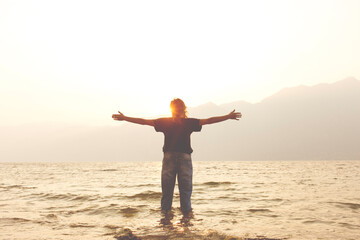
(177, 150)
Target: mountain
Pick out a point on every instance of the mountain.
(320, 122)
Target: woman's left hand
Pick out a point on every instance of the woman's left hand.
(119, 117)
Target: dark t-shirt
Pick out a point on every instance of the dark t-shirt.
(177, 134)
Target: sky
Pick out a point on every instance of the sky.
(78, 62)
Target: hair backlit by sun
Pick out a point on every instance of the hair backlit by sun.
(178, 107)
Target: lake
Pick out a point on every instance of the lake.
(231, 200)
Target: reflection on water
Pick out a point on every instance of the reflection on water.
(178, 226)
(231, 200)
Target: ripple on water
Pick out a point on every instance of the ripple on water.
(353, 206)
(109, 170)
(146, 195)
(315, 221)
(50, 216)
(129, 211)
(14, 220)
(65, 196)
(215, 184)
(350, 226)
(81, 225)
(15, 187)
(257, 210)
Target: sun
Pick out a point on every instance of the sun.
(160, 109)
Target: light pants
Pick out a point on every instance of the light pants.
(180, 164)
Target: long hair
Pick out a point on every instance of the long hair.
(178, 107)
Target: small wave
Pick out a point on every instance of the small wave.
(225, 197)
(348, 225)
(109, 210)
(63, 207)
(147, 195)
(16, 187)
(14, 220)
(275, 200)
(129, 211)
(271, 199)
(317, 221)
(85, 198)
(81, 225)
(90, 209)
(353, 206)
(146, 185)
(66, 196)
(109, 170)
(112, 227)
(216, 183)
(51, 216)
(240, 199)
(255, 210)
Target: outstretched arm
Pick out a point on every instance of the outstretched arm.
(232, 115)
(122, 117)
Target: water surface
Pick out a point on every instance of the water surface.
(246, 200)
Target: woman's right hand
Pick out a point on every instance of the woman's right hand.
(118, 117)
(235, 115)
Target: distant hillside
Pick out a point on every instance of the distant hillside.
(300, 123)
(320, 122)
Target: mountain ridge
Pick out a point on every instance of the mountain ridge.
(319, 122)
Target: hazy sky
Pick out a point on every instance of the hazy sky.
(80, 61)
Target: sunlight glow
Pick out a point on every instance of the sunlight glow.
(138, 56)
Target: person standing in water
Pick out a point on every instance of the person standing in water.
(177, 150)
